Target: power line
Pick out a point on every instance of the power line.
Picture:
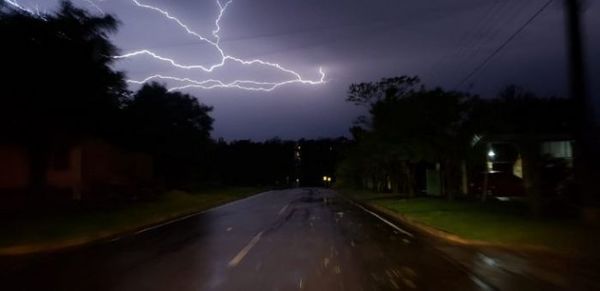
(485, 29)
(491, 35)
(503, 45)
(473, 40)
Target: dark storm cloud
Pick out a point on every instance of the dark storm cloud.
(440, 40)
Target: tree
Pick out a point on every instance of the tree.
(58, 83)
(518, 111)
(409, 124)
(173, 127)
(370, 93)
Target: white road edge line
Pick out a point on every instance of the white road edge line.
(480, 283)
(240, 256)
(192, 215)
(384, 220)
(283, 209)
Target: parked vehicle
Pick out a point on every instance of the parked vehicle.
(499, 184)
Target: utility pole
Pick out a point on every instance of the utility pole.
(577, 69)
(586, 157)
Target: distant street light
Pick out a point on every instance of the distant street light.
(326, 180)
(491, 154)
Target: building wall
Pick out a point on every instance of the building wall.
(109, 170)
(100, 163)
(14, 168)
(67, 179)
(14, 177)
(92, 169)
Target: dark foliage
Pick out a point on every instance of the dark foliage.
(277, 163)
(58, 84)
(57, 75)
(174, 128)
(60, 88)
(409, 126)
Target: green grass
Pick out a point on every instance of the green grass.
(365, 195)
(56, 228)
(495, 222)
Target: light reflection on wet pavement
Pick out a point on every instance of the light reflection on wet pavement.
(298, 239)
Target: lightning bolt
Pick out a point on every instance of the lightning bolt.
(239, 84)
(16, 5)
(251, 85)
(93, 4)
(222, 9)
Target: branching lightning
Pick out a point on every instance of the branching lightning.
(214, 42)
(251, 85)
(239, 84)
(222, 9)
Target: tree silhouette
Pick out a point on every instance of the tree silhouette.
(173, 127)
(518, 111)
(409, 124)
(58, 83)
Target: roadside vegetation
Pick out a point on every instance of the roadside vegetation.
(63, 228)
(494, 222)
(410, 128)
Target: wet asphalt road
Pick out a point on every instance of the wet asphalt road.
(298, 239)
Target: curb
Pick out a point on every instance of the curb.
(108, 236)
(450, 238)
(535, 274)
(454, 239)
(397, 218)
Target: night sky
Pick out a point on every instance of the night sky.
(353, 41)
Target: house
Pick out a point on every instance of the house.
(506, 156)
(499, 170)
(89, 170)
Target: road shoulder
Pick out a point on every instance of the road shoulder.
(525, 266)
(146, 218)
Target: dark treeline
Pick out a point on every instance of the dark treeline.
(276, 162)
(68, 120)
(411, 128)
(172, 127)
(60, 89)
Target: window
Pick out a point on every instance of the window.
(558, 149)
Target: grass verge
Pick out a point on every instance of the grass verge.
(493, 222)
(76, 228)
